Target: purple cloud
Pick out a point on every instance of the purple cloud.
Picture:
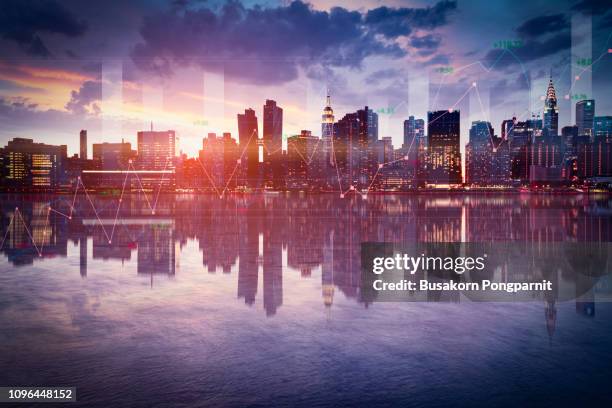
(24, 21)
(84, 100)
(270, 45)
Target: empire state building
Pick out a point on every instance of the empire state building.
(551, 111)
(327, 133)
(327, 120)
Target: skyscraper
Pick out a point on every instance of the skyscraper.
(413, 130)
(568, 137)
(29, 165)
(443, 144)
(602, 129)
(212, 159)
(368, 138)
(506, 128)
(156, 150)
(355, 146)
(479, 154)
(368, 128)
(345, 147)
(519, 136)
(83, 144)
(585, 114)
(551, 111)
(326, 157)
(248, 137)
(300, 171)
(113, 156)
(327, 119)
(273, 143)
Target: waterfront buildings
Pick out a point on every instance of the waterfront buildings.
(27, 165)
(156, 149)
(443, 146)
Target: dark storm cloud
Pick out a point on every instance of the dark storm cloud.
(269, 45)
(531, 50)
(541, 25)
(426, 44)
(394, 22)
(24, 21)
(541, 37)
(592, 7)
(84, 100)
(606, 22)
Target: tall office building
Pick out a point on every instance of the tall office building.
(326, 158)
(113, 156)
(156, 150)
(500, 163)
(443, 145)
(212, 160)
(519, 135)
(83, 144)
(29, 165)
(506, 128)
(368, 138)
(273, 144)
(368, 125)
(345, 144)
(602, 128)
(551, 111)
(355, 146)
(479, 154)
(301, 172)
(384, 150)
(231, 153)
(414, 132)
(585, 115)
(535, 127)
(327, 119)
(545, 159)
(602, 146)
(414, 129)
(248, 137)
(569, 134)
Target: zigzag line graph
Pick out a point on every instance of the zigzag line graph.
(152, 203)
(109, 233)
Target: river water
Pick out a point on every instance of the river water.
(256, 301)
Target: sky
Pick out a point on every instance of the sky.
(116, 67)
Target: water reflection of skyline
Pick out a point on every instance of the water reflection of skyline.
(253, 234)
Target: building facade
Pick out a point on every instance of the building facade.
(32, 166)
(443, 148)
(156, 150)
(248, 138)
(273, 145)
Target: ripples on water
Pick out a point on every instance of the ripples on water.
(256, 300)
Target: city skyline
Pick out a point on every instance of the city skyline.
(350, 152)
(407, 58)
(274, 202)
